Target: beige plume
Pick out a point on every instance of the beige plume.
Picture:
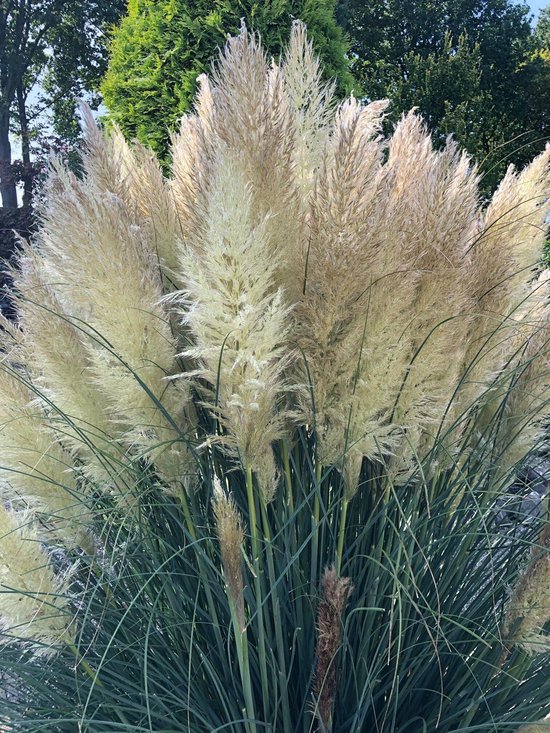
(103, 269)
(33, 599)
(310, 104)
(529, 606)
(35, 468)
(502, 258)
(238, 320)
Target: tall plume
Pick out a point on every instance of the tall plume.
(441, 230)
(55, 351)
(107, 159)
(310, 106)
(33, 599)
(526, 402)
(154, 207)
(103, 268)
(501, 261)
(35, 469)
(341, 326)
(192, 153)
(529, 606)
(252, 122)
(238, 320)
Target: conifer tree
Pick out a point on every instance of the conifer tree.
(162, 46)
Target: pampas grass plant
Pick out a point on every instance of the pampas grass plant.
(258, 422)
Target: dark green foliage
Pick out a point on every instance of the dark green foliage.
(448, 86)
(161, 47)
(469, 65)
(384, 32)
(542, 30)
(536, 70)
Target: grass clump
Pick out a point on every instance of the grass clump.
(260, 418)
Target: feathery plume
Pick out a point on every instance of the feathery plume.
(56, 354)
(529, 607)
(33, 600)
(252, 122)
(335, 592)
(34, 467)
(135, 176)
(155, 208)
(526, 403)
(104, 271)
(107, 159)
(519, 391)
(310, 104)
(502, 258)
(238, 321)
(446, 208)
(516, 215)
(343, 316)
(191, 169)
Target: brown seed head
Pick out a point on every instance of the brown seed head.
(335, 592)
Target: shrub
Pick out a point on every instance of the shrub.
(262, 416)
(162, 46)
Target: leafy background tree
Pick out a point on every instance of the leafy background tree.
(473, 67)
(539, 65)
(162, 46)
(447, 87)
(58, 44)
(542, 31)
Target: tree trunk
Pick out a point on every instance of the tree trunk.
(7, 184)
(25, 147)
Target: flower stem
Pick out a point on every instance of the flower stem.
(241, 642)
(281, 651)
(315, 526)
(341, 534)
(90, 671)
(255, 544)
